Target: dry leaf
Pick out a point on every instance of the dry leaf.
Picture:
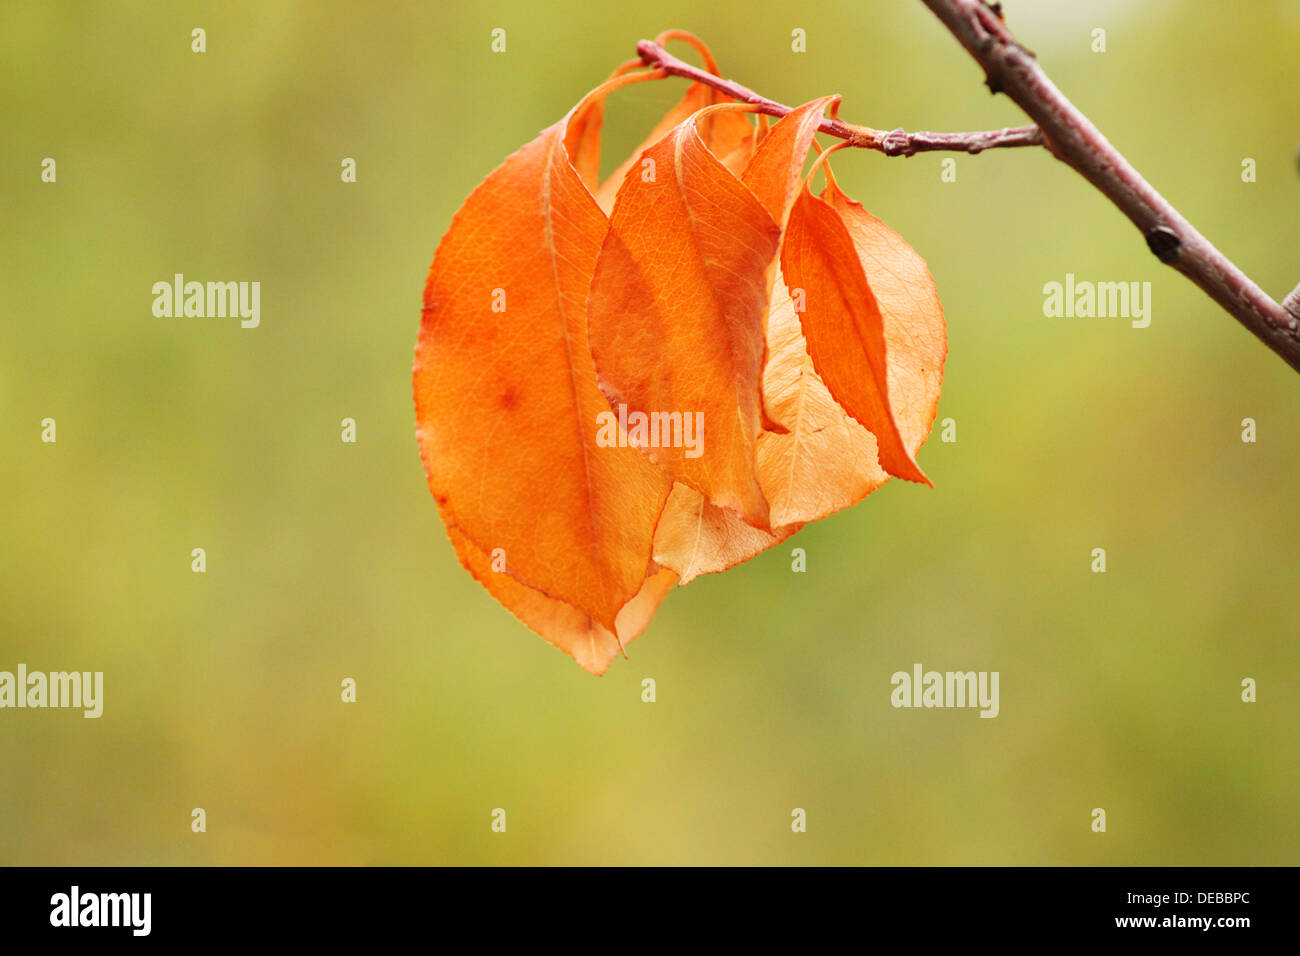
(697, 537)
(676, 315)
(728, 135)
(916, 342)
(842, 323)
(506, 394)
(776, 170)
(605, 404)
(577, 634)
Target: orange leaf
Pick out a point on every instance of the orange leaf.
(822, 460)
(818, 460)
(577, 634)
(582, 139)
(726, 133)
(564, 354)
(563, 626)
(697, 537)
(842, 323)
(730, 137)
(916, 342)
(506, 396)
(676, 314)
(776, 170)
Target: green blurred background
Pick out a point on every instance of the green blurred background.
(327, 560)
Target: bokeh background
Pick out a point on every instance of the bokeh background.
(327, 560)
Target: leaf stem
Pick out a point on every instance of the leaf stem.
(892, 142)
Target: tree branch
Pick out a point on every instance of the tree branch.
(1011, 69)
(892, 143)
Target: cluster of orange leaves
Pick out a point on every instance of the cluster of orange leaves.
(701, 275)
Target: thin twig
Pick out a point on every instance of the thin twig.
(892, 142)
(1011, 69)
